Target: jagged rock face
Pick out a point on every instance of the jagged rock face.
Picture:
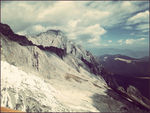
(36, 79)
(58, 40)
(6, 31)
(135, 94)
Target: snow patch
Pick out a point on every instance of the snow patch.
(124, 60)
(105, 58)
(33, 93)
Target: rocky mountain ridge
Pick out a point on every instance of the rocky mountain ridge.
(57, 39)
(66, 71)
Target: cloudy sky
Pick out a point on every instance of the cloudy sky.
(98, 24)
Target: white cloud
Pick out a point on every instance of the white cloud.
(132, 33)
(35, 29)
(126, 4)
(139, 22)
(95, 41)
(131, 41)
(141, 39)
(95, 31)
(61, 12)
(94, 16)
(143, 27)
(110, 41)
(75, 18)
(118, 11)
(39, 28)
(128, 27)
(73, 23)
(19, 15)
(120, 41)
(138, 18)
(22, 33)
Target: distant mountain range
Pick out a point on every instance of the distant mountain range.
(128, 71)
(126, 52)
(126, 66)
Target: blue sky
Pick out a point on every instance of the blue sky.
(98, 24)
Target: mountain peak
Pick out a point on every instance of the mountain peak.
(50, 32)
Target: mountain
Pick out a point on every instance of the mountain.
(124, 65)
(74, 54)
(49, 73)
(127, 52)
(128, 71)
